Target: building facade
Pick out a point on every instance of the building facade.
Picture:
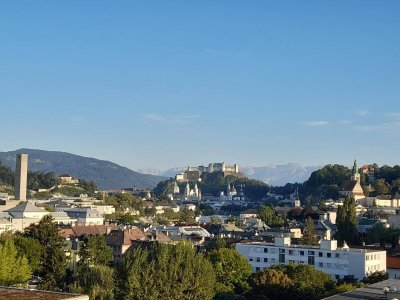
(328, 258)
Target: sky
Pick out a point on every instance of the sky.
(160, 84)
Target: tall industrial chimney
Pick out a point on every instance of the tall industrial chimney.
(21, 176)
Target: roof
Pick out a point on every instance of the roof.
(348, 185)
(78, 231)
(8, 293)
(369, 292)
(393, 262)
(125, 237)
(249, 211)
(25, 207)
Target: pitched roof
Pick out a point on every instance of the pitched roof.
(393, 262)
(25, 207)
(348, 185)
(125, 237)
(78, 231)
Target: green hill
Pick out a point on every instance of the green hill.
(106, 174)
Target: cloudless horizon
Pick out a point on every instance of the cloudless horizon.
(161, 84)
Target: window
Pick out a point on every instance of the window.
(250, 259)
(328, 254)
(258, 249)
(366, 257)
(258, 269)
(329, 265)
(320, 254)
(292, 261)
(301, 253)
(290, 252)
(258, 259)
(321, 265)
(273, 260)
(265, 250)
(311, 253)
(265, 259)
(337, 255)
(281, 250)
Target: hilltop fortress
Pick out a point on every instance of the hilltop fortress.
(194, 173)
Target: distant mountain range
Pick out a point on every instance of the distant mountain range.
(271, 174)
(106, 174)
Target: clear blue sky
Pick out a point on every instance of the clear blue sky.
(158, 84)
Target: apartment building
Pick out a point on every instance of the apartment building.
(327, 257)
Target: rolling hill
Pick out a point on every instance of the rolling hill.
(106, 174)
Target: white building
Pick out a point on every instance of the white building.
(85, 216)
(328, 258)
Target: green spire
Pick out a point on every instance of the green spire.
(355, 168)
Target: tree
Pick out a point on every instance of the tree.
(232, 270)
(166, 272)
(30, 248)
(94, 251)
(271, 283)
(376, 277)
(14, 269)
(308, 282)
(381, 187)
(53, 261)
(267, 214)
(346, 221)
(309, 233)
(97, 281)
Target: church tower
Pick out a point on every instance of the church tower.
(355, 176)
(187, 190)
(176, 188)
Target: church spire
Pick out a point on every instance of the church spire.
(355, 175)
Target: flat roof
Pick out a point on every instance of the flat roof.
(8, 293)
(369, 292)
(309, 247)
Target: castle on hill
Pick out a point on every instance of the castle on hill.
(194, 173)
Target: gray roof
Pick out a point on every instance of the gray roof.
(25, 207)
(369, 292)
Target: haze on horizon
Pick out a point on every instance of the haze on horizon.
(176, 83)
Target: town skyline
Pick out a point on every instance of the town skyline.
(176, 84)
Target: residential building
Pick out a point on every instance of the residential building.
(85, 216)
(327, 257)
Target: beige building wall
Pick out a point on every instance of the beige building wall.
(21, 176)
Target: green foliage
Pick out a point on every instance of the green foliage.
(206, 210)
(346, 221)
(6, 175)
(309, 233)
(382, 235)
(232, 270)
(89, 187)
(344, 287)
(94, 251)
(124, 201)
(14, 269)
(70, 191)
(317, 284)
(37, 180)
(53, 261)
(31, 248)
(42, 195)
(166, 272)
(376, 277)
(381, 187)
(270, 283)
(267, 214)
(97, 281)
(127, 218)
